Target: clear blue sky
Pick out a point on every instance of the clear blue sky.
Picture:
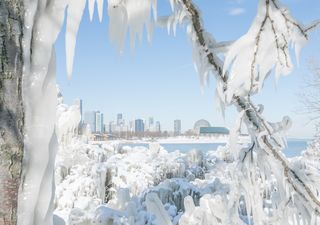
(158, 79)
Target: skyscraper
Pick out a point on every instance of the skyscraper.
(158, 127)
(139, 126)
(177, 127)
(119, 119)
(102, 123)
(90, 119)
(151, 121)
(151, 124)
(99, 122)
(112, 127)
(131, 126)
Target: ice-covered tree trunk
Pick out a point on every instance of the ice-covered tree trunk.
(11, 107)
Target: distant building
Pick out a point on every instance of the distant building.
(99, 122)
(214, 131)
(90, 119)
(177, 127)
(158, 127)
(104, 128)
(112, 127)
(102, 123)
(139, 126)
(151, 124)
(131, 126)
(199, 124)
(203, 128)
(119, 119)
(151, 121)
(95, 120)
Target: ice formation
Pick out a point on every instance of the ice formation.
(264, 48)
(89, 175)
(130, 15)
(111, 183)
(259, 185)
(43, 22)
(74, 15)
(68, 121)
(262, 162)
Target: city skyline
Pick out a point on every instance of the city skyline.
(98, 123)
(127, 123)
(143, 127)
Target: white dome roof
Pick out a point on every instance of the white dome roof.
(201, 123)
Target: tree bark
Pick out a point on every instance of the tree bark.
(11, 107)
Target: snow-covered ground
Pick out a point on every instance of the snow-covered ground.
(103, 182)
(110, 183)
(185, 140)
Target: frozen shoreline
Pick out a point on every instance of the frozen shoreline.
(178, 140)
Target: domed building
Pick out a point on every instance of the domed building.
(199, 124)
(203, 128)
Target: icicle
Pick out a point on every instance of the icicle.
(91, 8)
(172, 4)
(118, 22)
(133, 14)
(154, 10)
(100, 9)
(74, 16)
(150, 31)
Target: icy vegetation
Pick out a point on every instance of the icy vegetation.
(111, 183)
(253, 184)
(107, 183)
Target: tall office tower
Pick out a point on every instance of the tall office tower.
(177, 127)
(112, 127)
(131, 126)
(102, 123)
(119, 119)
(98, 122)
(139, 126)
(151, 124)
(158, 127)
(90, 119)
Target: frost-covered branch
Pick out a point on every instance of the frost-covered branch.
(310, 97)
(313, 26)
(263, 50)
(263, 134)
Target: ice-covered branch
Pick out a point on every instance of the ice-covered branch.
(264, 49)
(312, 26)
(280, 33)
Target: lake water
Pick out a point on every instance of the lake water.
(295, 147)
